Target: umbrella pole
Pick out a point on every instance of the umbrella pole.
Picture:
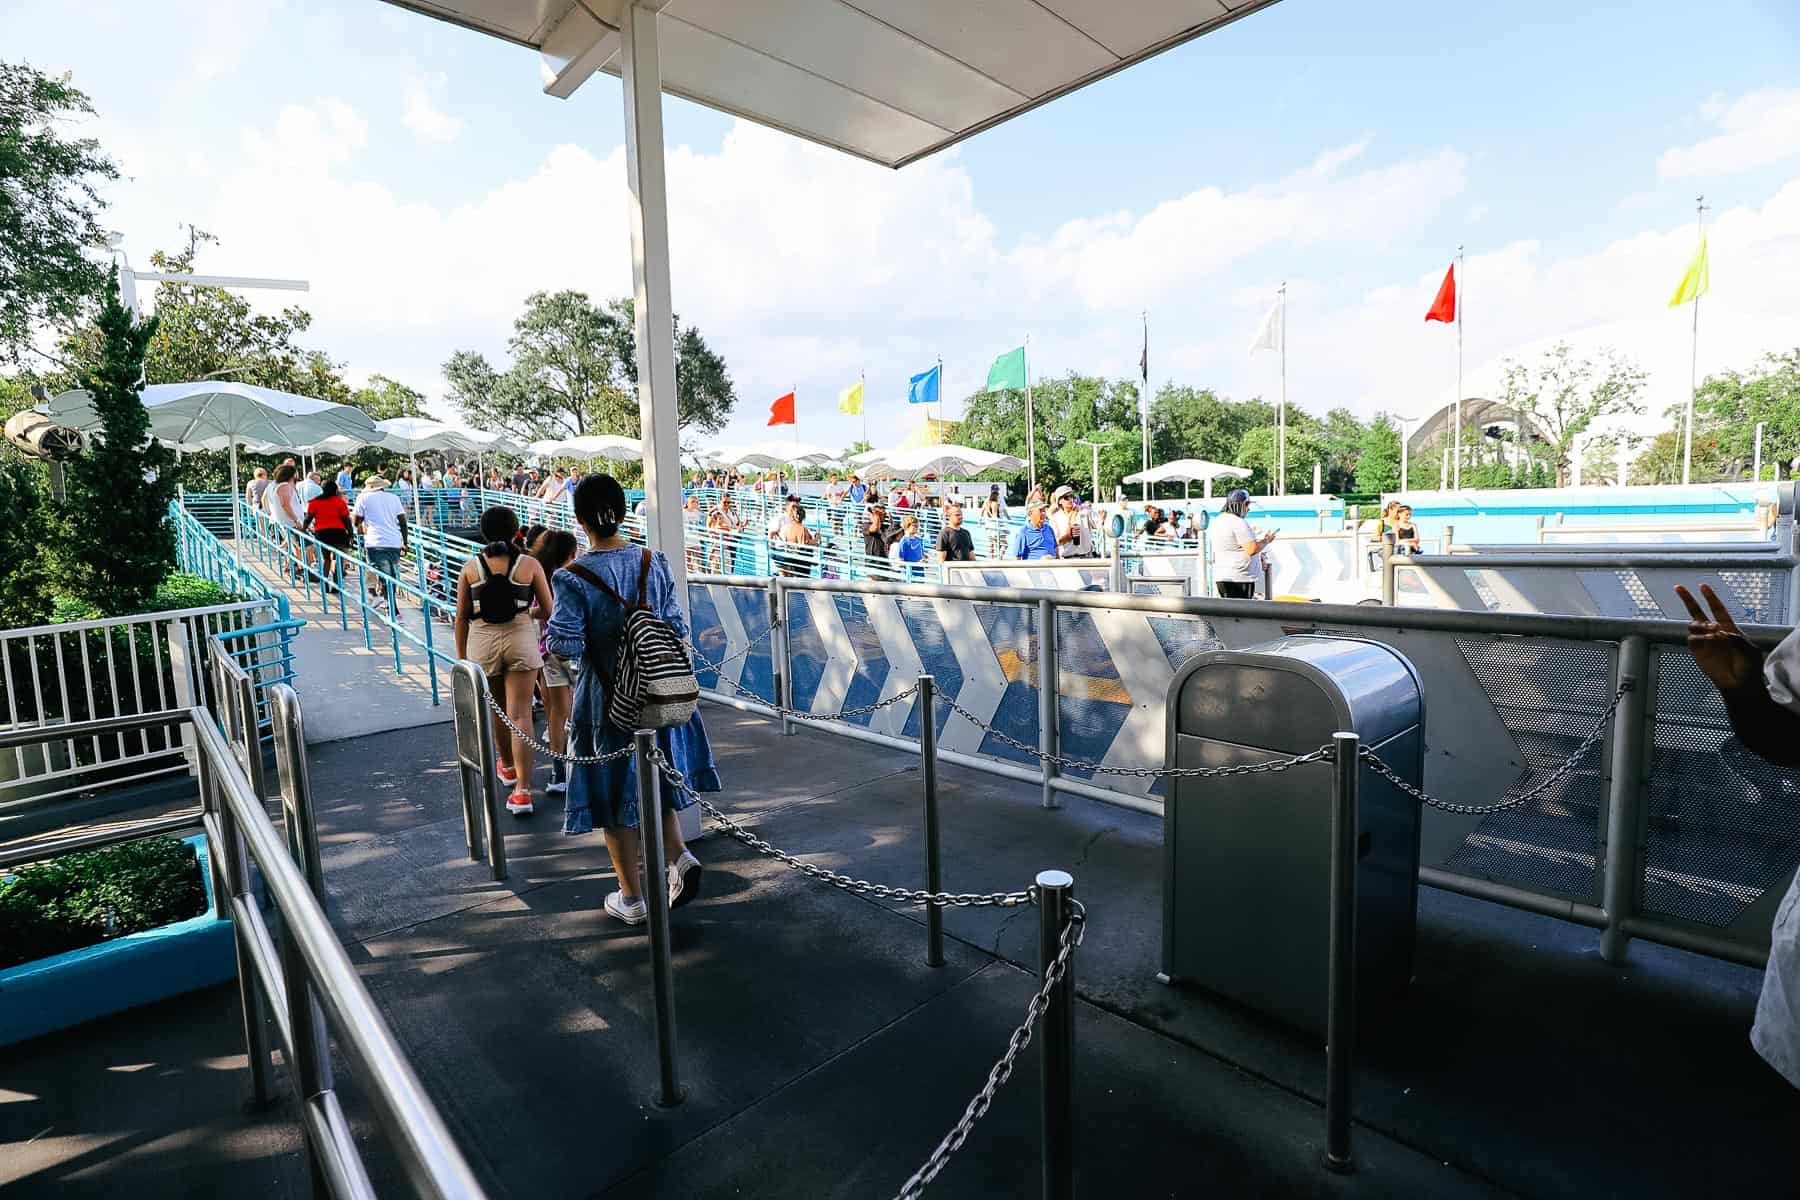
(237, 525)
(413, 457)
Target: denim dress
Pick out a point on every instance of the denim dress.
(586, 624)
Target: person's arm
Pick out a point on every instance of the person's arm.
(1735, 666)
(403, 531)
(306, 523)
(540, 591)
(463, 606)
(565, 633)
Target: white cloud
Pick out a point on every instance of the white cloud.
(803, 267)
(1115, 260)
(1756, 130)
(428, 122)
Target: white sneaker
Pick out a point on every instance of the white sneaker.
(684, 879)
(557, 786)
(631, 911)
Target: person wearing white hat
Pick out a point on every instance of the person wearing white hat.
(380, 517)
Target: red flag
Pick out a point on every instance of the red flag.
(782, 411)
(1444, 307)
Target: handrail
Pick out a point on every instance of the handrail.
(239, 826)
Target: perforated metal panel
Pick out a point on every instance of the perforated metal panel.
(1647, 607)
(1549, 696)
(1762, 601)
(1721, 825)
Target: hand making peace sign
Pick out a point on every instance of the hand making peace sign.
(1719, 648)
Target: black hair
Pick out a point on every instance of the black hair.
(328, 488)
(600, 504)
(285, 472)
(554, 548)
(499, 524)
(533, 532)
(1238, 503)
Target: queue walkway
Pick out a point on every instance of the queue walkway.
(825, 1059)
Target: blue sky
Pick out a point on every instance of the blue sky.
(418, 176)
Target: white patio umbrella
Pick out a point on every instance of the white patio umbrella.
(948, 459)
(410, 435)
(490, 443)
(1188, 470)
(218, 414)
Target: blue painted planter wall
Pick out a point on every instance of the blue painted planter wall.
(96, 981)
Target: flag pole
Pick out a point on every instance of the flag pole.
(1687, 437)
(1462, 293)
(1281, 422)
(1144, 406)
(1030, 422)
(862, 382)
(937, 435)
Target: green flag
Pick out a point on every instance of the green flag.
(1008, 371)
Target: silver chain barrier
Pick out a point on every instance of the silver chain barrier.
(1069, 763)
(1002, 1070)
(856, 887)
(1380, 768)
(584, 760)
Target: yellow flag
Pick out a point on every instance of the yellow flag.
(850, 399)
(1694, 280)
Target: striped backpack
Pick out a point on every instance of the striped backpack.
(652, 684)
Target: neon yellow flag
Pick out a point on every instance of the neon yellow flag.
(1694, 280)
(850, 399)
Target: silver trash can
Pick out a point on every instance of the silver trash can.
(1247, 858)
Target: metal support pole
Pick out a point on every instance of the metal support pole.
(237, 887)
(934, 863)
(1340, 1021)
(1057, 1095)
(656, 898)
(1624, 798)
(1046, 682)
(1389, 589)
(782, 685)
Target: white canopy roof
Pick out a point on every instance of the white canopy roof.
(1187, 470)
(589, 447)
(886, 80)
(942, 460)
(216, 413)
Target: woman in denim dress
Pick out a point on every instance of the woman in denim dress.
(585, 624)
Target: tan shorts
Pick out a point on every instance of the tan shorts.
(557, 672)
(512, 646)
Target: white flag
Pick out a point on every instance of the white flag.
(1269, 336)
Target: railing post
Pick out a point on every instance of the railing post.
(1055, 891)
(1389, 587)
(425, 616)
(1624, 797)
(1340, 1021)
(295, 787)
(778, 650)
(1046, 684)
(656, 898)
(237, 887)
(934, 866)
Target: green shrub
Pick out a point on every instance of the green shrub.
(84, 899)
(174, 593)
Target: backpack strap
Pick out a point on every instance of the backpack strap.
(644, 578)
(582, 572)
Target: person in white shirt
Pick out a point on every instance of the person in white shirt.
(380, 517)
(1237, 549)
(1762, 700)
(310, 487)
(1072, 538)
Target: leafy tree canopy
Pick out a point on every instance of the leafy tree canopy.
(1730, 405)
(49, 207)
(574, 372)
(1562, 395)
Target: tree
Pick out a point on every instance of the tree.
(1305, 446)
(1065, 411)
(1342, 435)
(385, 399)
(112, 543)
(1563, 395)
(574, 372)
(1190, 422)
(1378, 457)
(49, 207)
(1730, 405)
(24, 597)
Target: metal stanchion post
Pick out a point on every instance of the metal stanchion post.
(1047, 684)
(781, 686)
(656, 899)
(1388, 587)
(1055, 892)
(1340, 1020)
(934, 865)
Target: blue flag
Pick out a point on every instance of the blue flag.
(924, 387)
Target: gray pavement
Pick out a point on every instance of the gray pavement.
(825, 1059)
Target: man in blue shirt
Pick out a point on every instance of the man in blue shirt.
(1034, 539)
(857, 491)
(343, 479)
